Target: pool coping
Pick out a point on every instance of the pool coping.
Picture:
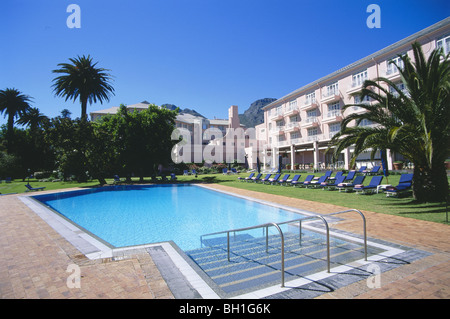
(95, 248)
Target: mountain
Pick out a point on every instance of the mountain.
(172, 107)
(254, 115)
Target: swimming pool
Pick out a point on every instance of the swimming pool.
(135, 215)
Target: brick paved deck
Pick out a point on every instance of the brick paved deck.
(34, 258)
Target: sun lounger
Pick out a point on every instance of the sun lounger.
(293, 181)
(307, 180)
(266, 178)
(240, 178)
(331, 185)
(404, 186)
(225, 171)
(374, 170)
(33, 188)
(116, 179)
(350, 176)
(338, 174)
(173, 177)
(345, 186)
(361, 170)
(328, 174)
(315, 184)
(274, 179)
(369, 189)
(284, 179)
(256, 179)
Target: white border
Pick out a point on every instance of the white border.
(95, 249)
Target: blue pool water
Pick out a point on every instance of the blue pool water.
(135, 215)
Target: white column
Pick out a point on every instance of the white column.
(389, 158)
(274, 157)
(316, 155)
(292, 157)
(347, 159)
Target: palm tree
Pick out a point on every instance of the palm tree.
(32, 117)
(82, 80)
(413, 121)
(13, 104)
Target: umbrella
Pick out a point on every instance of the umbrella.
(384, 163)
(280, 163)
(258, 165)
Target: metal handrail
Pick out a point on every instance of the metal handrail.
(299, 220)
(249, 228)
(364, 226)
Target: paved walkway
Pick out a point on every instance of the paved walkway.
(34, 258)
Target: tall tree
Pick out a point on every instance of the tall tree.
(33, 118)
(413, 121)
(13, 104)
(84, 81)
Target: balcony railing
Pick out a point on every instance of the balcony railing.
(311, 119)
(331, 95)
(276, 114)
(292, 126)
(334, 113)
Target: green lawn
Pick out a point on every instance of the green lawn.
(376, 203)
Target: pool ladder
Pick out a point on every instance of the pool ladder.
(299, 221)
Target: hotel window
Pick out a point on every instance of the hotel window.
(310, 98)
(391, 65)
(366, 122)
(332, 89)
(401, 86)
(313, 134)
(311, 113)
(279, 125)
(359, 78)
(444, 43)
(278, 110)
(295, 118)
(295, 135)
(334, 128)
(334, 109)
(281, 138)
(292, 104)
(357, 100)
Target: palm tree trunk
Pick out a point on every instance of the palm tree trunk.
(430, 184)
(10, 132)
(84, 107)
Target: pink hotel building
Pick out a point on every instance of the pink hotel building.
(299, 125)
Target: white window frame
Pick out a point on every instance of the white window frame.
(359, 78)
(310, 98)
(444, 42)
(313, 131)
(311, 113)
(391, 67)
(334, 109)
(295, 135)
(332, 89)
(332, 127)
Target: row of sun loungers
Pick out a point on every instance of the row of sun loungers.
(351, 182)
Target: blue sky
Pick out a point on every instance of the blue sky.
(200, 54)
